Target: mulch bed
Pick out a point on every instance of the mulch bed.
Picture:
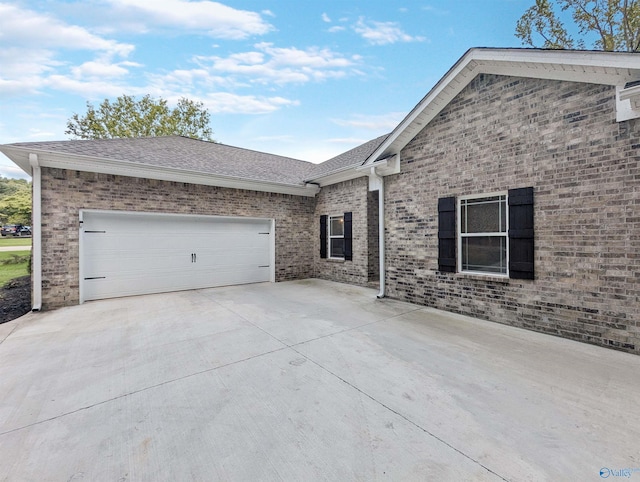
(15, 299)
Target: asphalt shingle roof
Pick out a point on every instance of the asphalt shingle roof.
(353, 157)
(186, 154)
(205, 157)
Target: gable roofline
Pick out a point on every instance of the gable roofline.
(344, 167)
(595, 67)
(79, 162)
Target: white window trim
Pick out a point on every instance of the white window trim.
(330, 237)
(460, 234)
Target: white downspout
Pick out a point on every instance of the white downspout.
(36, 233)
(381, 250)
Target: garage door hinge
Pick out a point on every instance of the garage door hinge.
(97, 277)
(95, 231)
(264, 266)
(264, 233)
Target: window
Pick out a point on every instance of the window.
(483, 232)
(480, 234)
(336, 237)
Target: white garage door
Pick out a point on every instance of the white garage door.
(123, 254)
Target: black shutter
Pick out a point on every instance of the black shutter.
(447, 234)
(521, 233)
(323, 236)
(348, 237)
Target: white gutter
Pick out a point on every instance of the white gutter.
(380, 182)
(36, 233)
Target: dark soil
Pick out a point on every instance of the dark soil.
(15, 299)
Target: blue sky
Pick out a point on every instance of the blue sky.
(305, 79)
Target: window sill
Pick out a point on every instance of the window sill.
(497, 278)
(335, 260)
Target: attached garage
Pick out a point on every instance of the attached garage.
(127, 253)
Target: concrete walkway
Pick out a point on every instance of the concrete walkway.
(15, 248)
(306, 380)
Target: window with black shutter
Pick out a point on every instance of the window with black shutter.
(348, 237)
(323, 236)
(495, 236)
(483, 234)
(447, 234)
(336, 237)
(521, 262)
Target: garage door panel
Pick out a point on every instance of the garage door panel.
(128, 254)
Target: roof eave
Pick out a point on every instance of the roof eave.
(76, 162)
(340, 175)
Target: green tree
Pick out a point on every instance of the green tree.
(614, 24)
(16, 208)
(10, 186)
(146, 117)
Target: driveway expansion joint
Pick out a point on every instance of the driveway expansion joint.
(408, 420)
(362, 392)
(140, 390)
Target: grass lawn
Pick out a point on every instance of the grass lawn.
(11, 241)
(11, 271)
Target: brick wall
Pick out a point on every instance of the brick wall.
(349, 196)
(562, 139)
(64, 193)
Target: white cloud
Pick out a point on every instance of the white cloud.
(100, 69)
(213, 18)
(92, 89)
(337, 28)
(28, 29)
(269, 64)
(35, 40)
(189, 80)
(325, 18)
(352, 141)
(380, 122)
(434, 10)
(10, 170)
(224, 102)
(383, 33)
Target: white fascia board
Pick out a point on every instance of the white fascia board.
(74, 162)
(627, 103)
(631, 94)
(609, 68)
(344, 174)
(581, 58)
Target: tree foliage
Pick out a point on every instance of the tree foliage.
(15, 201)
(614, 24)
(146, 117)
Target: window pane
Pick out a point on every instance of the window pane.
(337, 248)
(485, 253)
(336, 226)
(484, 215)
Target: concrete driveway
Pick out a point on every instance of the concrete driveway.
(306, 380)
